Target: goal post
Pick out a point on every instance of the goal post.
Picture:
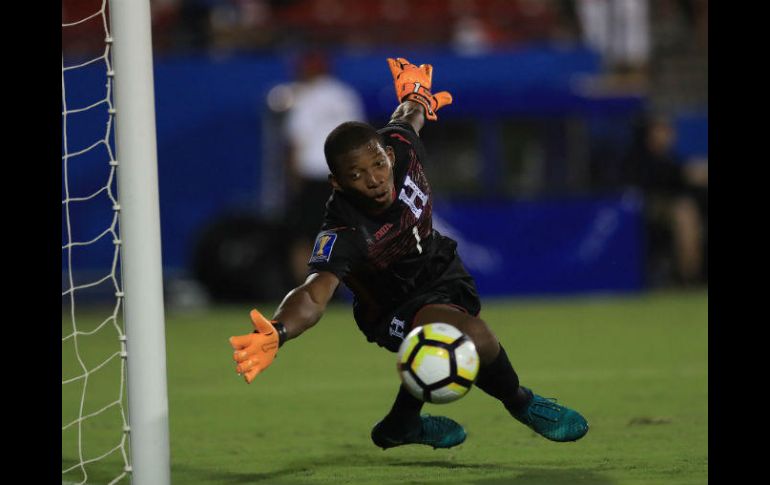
(137, 179)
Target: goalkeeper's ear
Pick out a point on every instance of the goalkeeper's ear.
(334, 183)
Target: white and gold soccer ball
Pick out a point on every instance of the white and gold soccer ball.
(438, 363)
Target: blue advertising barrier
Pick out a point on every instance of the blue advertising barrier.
(527, 247)
(692, 135)
(209, 128)
(548, 246)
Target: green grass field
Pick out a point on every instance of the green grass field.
(635, 366)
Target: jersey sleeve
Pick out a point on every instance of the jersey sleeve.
(335, 251)
(401, 133)
(406, 144)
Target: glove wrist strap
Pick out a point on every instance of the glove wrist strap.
(425, 101)
(282, 336)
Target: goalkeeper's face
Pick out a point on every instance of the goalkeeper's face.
(365, 174)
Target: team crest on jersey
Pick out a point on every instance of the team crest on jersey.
(322, 250)
(397, 328)
(411, 200)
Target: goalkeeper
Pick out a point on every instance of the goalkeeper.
(377, 238)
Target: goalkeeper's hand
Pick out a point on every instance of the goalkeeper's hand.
(255, 351)
(414, 84)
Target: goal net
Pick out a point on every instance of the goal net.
(94, 419)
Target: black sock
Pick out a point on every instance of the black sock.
(499, 380)
(405, 413)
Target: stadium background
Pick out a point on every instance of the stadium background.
(538, 135)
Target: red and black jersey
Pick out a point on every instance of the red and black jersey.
(390, 258)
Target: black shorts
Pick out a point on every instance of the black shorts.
(459, 293)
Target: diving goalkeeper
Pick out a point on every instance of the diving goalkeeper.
(377, 238)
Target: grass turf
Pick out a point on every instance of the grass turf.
(635, 366)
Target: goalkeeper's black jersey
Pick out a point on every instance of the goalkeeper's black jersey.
(395, 256)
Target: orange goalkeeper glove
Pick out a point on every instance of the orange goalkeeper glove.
(254, 352)
(414, 83)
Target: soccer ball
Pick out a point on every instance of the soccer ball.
(437, 363)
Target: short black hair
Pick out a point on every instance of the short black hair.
(347, 137)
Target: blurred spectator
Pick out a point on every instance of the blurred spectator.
(165, 21)
(620, 31)
(692, 15)
(240, 25)
(566, 28)
(192, 31)
(221, 26)
(676, 193)
(699, 10)
(470, 25)
(320, 102)
(470, 36)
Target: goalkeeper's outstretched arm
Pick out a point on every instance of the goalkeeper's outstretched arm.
(303, 306)
(410, 112)
(300, 309)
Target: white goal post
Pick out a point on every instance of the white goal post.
(135, 143)
(135, 276)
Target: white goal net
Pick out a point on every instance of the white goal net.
(95, 447)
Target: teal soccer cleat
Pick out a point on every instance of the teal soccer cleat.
(435, 431)
(551, 420)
